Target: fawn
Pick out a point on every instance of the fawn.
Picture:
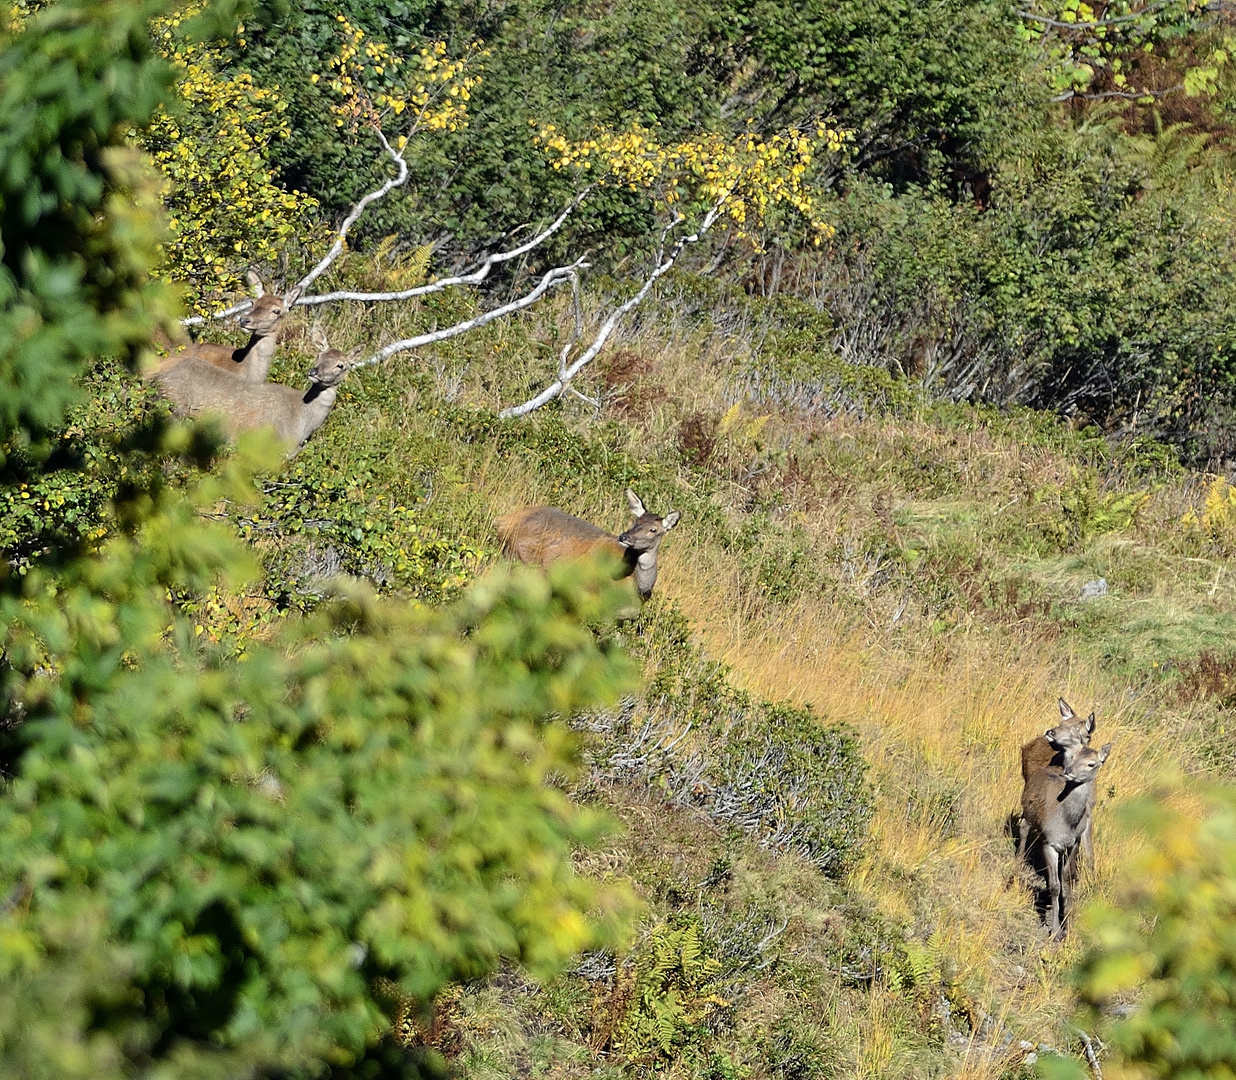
(1048, 749)
(251, 361)
(1056, 804)
(541, 535)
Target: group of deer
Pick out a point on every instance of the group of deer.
(1057, 806)
(206, 378)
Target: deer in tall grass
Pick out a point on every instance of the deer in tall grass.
(195, 388)
(541, 535)
(1056, 802)
(251, 361)
(1049, 749)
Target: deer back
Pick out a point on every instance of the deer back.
(196, 388)
(540, 535)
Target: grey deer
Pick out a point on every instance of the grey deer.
(1055, 802)
(541, 535)
(251, 361)
(1048, 749)
(195, 388)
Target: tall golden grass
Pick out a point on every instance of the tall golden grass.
(946, 722)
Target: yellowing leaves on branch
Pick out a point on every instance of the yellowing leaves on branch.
(226, 211)
(747, 175)
(427, 91)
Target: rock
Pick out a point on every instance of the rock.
(1092, 590)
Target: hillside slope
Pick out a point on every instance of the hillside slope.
(912, 572)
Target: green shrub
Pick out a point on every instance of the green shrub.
(774, 770)
(1166, 947)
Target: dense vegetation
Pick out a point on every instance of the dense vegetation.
(300, 781)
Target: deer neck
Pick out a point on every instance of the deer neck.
(257, 356)
(646, 572)
(315, 407)
(1074, 798)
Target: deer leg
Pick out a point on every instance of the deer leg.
(1068, 878)
(1087, 840)
(1052, 858)
(1023, 839)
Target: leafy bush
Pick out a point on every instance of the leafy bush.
(75, 206)
(1166, 946)
(213, 147)
(365, 797)
(925, 88)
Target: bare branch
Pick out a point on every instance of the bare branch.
(235, 309)
(1091, 1056)
(475, 277)
(566, 374)
(1115, 20)
(1129, 95)
(554, 277)
(373, 196)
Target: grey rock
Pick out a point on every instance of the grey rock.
(1092, 590)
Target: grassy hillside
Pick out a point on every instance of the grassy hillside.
(912, 572)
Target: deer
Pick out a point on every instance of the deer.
(251, 361)
(541, 535)
(1049, 749)
(195, 388)
(1055, 804)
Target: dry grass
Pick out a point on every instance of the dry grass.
(942, 723)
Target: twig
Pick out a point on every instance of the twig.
(552, 278)
(1091, 1056)
(235, 309)
(1128, 95)
(565, 375)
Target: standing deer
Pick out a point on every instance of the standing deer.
(1049, 749)
(541, 535)
(1055, 803)
(251, 361)
(196, 388)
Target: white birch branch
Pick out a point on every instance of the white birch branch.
(567, 373)
(1115, 20)
(552, 278)
(475, 277)
(341, 237)
(235, 309)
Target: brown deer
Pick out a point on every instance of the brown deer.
(1049, 749)
(541, 535)
(251, 361)
(1055, 803)
(195, 388)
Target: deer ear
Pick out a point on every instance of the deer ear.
(1107, 749)
(255, 283)
(1090, 724)
(633, 501)
(1066, 710)
(670, 520)
(318, 336)
(291, 297)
